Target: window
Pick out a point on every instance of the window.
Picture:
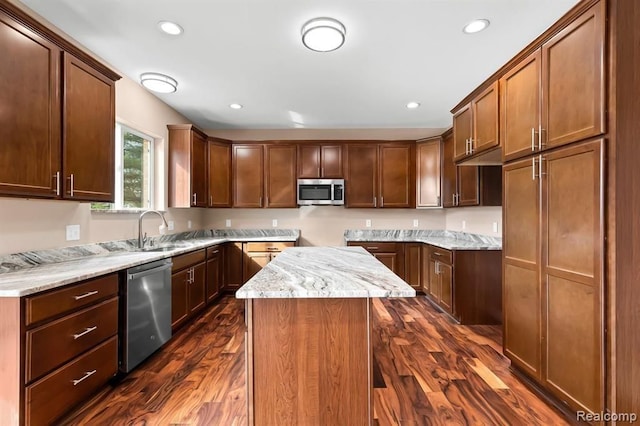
(134, 171)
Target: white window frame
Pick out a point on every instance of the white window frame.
(119, 181)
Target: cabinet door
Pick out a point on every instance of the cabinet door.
(485, 120)
(573, 80)
(88, 132)
(397, 175)
(412, 264)
(428, 162)
(30, 118)
(572, 274)
(219, 174)
(390, 260)
(424, 264)
(445, 274)
(197, 288)
(520, 90)
(280, 176)
(461, 132)
(468, 186)
(434, 281)
(198, 170)
(248, 166)
(213, 276)
(233, 257)
(254, 262)
(308, 161)
(449, 172)
(361, 175)
(331, 161)
(521, 260)
(179, 298)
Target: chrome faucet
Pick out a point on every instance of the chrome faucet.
(143, 239)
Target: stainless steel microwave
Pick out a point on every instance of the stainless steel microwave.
(320, 192)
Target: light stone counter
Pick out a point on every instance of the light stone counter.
(27, 273)
(324, 272)
(449, 240)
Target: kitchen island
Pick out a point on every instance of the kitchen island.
(309, 354)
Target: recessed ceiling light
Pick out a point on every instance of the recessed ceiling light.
(413, 105)
(235, 106)
(158, 82)
(170, 28)
(323, 34)
(475, 26)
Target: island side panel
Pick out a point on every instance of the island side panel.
(310, 361)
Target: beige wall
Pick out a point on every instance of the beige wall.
(325, 225)
(478, 220)
(40, 224)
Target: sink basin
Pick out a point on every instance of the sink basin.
(162, 247)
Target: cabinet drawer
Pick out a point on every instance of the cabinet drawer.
(442, 255)
(214, 250)
(55, 394)
(272, 246)
(57, 342)
(66, 299)
(188, 259)
(377, 247)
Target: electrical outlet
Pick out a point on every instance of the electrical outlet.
(171, 225)
(227, 223)
(416, 223)
(274, 223)
(464, 224)
(73, 232)
(189, 224)
(367, 223)
(495, 226)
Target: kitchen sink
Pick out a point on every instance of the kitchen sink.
(163, 247)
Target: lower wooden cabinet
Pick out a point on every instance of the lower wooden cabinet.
(391, 254)
(412, 264)
(257, 255)
(188, 281)
(67, 341)
(233, 266)
(215, 272)
(440, 270)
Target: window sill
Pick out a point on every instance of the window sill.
(123, 211)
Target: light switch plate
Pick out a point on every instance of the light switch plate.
(171, 225)
(274, 223)
(189, 224)
(464, 224)
(367, 223)
(73, 232)
(227, 223)
(416, 223)
(495, 226)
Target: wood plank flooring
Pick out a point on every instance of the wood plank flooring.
(427, 371)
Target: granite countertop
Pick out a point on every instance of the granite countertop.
(324, 272)
(449, 240)
(27, 273)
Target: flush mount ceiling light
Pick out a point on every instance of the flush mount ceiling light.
(323, 34)
(158, 82)
(235, 106)
(475, 26)
(170, 28)
(413, 105)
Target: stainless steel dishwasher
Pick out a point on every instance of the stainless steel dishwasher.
(147, 312)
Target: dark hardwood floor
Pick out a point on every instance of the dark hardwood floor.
(427, 371)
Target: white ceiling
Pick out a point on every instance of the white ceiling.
(249, 52)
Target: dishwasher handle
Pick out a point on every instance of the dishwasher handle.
(148, 272)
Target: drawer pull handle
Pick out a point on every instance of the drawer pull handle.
(372, 248)
(82, 296)
(437, 254)
(85, 332)
(86, 376)
(272, 248)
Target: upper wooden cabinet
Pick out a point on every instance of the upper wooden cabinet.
(187, 166)
(380, 175)
(264, 175)
(556, 95)
(475, 125)
(319, 161)
(58, 135)
(280, 176)
(428, 167)
(219, 170)
(468, 185)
